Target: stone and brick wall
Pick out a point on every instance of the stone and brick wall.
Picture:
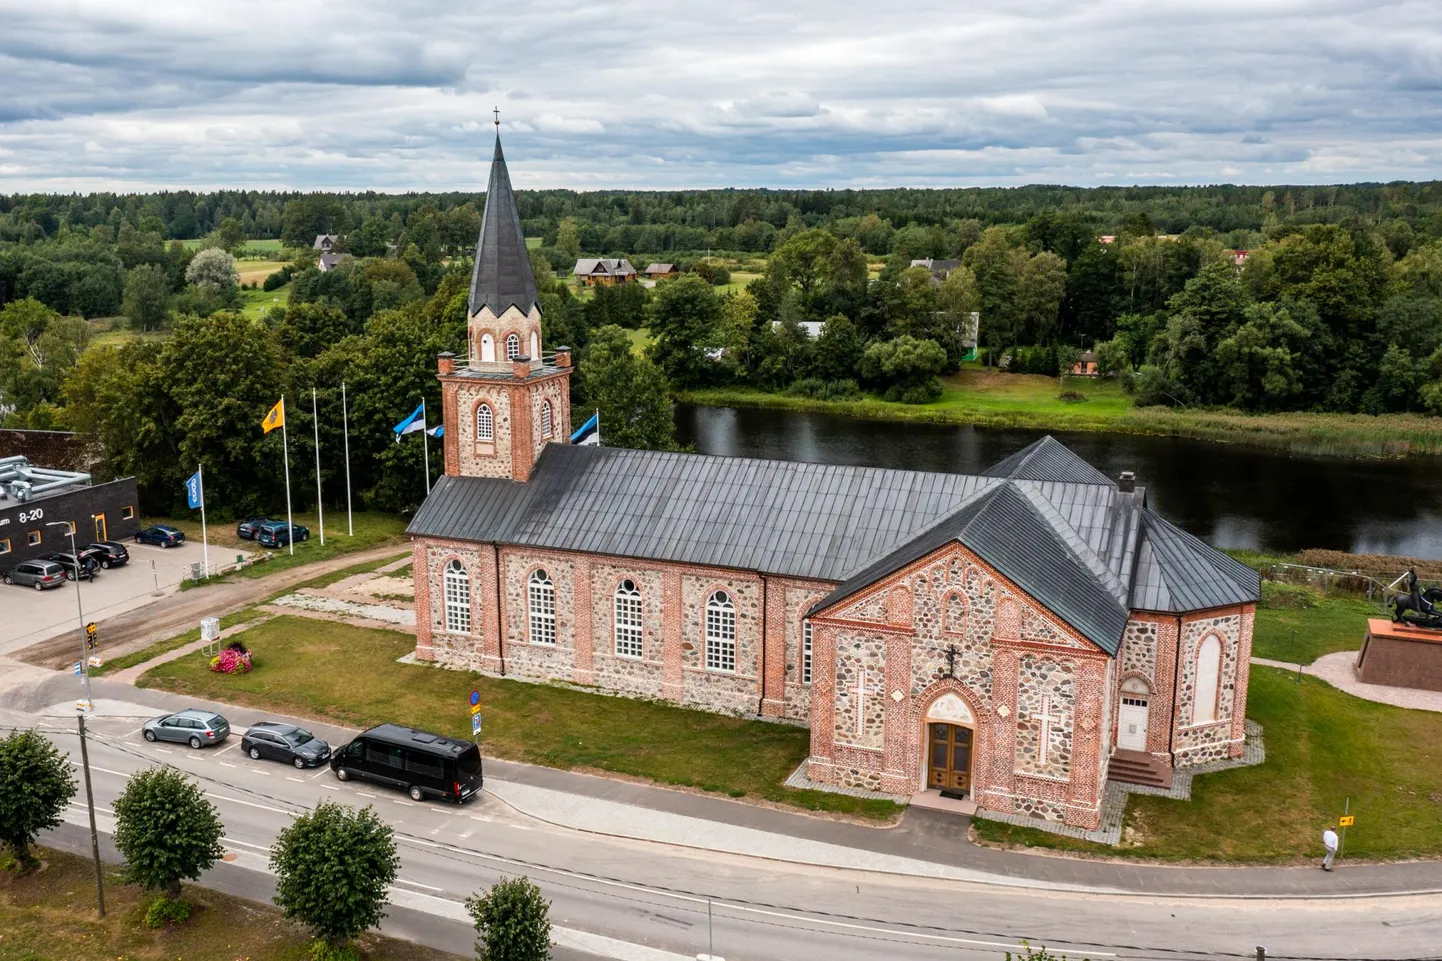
(1197, 742)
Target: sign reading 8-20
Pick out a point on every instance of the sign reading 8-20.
(34, 515)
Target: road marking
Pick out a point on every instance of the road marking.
(429, 844)
(417, 884)
(134, 732)
(102, 770)
(228, 764)
(247, 844)
(364, 794)
(406, 803)
(318, 773)
(477, 817)
(297, 780)
(101, 808)
(249, 804)
(165, 750)
(467, 834)
(518, 827)
(231, 748)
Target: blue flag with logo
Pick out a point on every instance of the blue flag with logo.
(193, 494)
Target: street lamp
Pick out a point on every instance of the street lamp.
(85, 705)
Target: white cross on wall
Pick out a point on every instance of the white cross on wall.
(1048, 719)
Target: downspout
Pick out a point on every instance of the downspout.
(761, 703)
(500, 625)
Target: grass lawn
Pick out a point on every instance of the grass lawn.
(349, 675)
(255, 271)
(640, 339)
(49, 915)
(372, 529)
(1335, 623)
(1323, 746)
(171, 643)
(255, 303)
(270, 246)
(739, 280)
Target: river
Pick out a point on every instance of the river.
(1229, 494)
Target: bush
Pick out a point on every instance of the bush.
(333, 867)
(277, 280)
(164, 910)
(166, 830)
(1071, 397)
(818, 389)
(512, 921)
(1278, 595)
(714, 274)
(924, 393)
(322, 950)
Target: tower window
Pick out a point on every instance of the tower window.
(485, 424)
(545, 418)
(720, 633)
(541, 593)
(513, 346)
(535, 344)
(805, 650)
(457, 590)
(628, 620)
(488, 349)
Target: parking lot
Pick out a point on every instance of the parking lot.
(31, 616)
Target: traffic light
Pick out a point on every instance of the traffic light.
(91, 641)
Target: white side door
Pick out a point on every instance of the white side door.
(1132, 724)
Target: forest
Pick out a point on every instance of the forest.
(122, 316)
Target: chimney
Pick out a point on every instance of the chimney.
(563, 357)
(521, 367)
(1127, 483)
(446, 362)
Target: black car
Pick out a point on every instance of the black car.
(161, 534)
(284, 742)
(276, 535)
(75, 567)
(248, 528)
(107, 554)
(418, 762)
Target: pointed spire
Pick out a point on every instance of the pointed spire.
(502, 277)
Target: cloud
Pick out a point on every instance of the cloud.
(100, 94)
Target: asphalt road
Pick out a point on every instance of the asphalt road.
(649, 902)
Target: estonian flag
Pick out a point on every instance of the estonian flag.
(437, 431)
(589, 433)
(413, 423)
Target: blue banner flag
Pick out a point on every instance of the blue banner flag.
(413, 423)
(193, 494)
(589, 433)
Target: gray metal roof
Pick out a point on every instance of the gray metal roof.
(502, 276)
(1069, 538)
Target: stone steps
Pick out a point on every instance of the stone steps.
(1134, 767)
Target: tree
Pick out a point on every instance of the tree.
(512, 921)
(826, 272)
(1256, 360)
(213, 269)
(147, 297)
(35, 787)
(567, 239)
(166, 830)
(906, 368)
(683, 319)
(994, 267)
(838, 349)
(1041, 284)
(629, 391)
(333, 866)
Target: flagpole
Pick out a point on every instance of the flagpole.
(204, 538)
(345, 429)
(285, 451)
(598, 427)
(426, 445)
(319, 500)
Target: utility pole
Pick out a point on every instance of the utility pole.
(83, 707)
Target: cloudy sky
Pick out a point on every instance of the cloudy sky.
(353, 94)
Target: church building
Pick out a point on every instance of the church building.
(1016, 637)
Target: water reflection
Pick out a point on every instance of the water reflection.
(1233, 496)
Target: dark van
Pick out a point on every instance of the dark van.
(422, 764)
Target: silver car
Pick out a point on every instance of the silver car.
(41, 575)
(192, 726)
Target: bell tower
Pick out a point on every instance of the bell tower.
(506, 401)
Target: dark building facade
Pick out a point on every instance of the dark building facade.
(98, 512)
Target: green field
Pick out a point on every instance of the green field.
(257, 302)
(271, 246)
(332, 671)
(1300, 635)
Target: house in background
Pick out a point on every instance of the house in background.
(940, 269)
(1085, 365)
(330, 261)
(325, 242)
(661, 271)
(603, 272)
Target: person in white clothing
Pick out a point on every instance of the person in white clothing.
(1329, 841)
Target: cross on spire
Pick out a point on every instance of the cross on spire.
(497, 112)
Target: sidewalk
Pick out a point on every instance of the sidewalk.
(1339, 670)
(925, 843)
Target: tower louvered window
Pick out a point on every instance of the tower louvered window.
(513, 347)
(485, 424)
(457, 591)
(720, 633)
(541, 593)
(628, 620)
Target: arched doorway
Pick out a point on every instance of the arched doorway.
(949, 746)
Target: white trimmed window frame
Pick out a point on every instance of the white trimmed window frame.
(720, 633)
(485, 424)
(546, 424)
(541, 605)
(806, 650)
(456, 590)
(513, 346)
(628, 627)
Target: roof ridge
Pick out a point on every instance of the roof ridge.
(1081, 548)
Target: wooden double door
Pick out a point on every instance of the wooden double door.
(949, 758)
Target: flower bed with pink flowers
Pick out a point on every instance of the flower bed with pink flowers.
(235, 659)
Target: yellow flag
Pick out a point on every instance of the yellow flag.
(276, 417)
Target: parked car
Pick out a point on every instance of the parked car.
(108, 554)
(284, 742)
(39, 574)
(420, 763)
(247, 529)
(190, 726)
(275, 534)
(75, 567)
(162, 534)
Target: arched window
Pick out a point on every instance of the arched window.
(545, 418)
(485, 424)
(720, 633)
(806, 650)
(1209, 673)
(488, 348)
(535, 344)
(458, 598)
(541, 594)
(513, 347)
(628, 620)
